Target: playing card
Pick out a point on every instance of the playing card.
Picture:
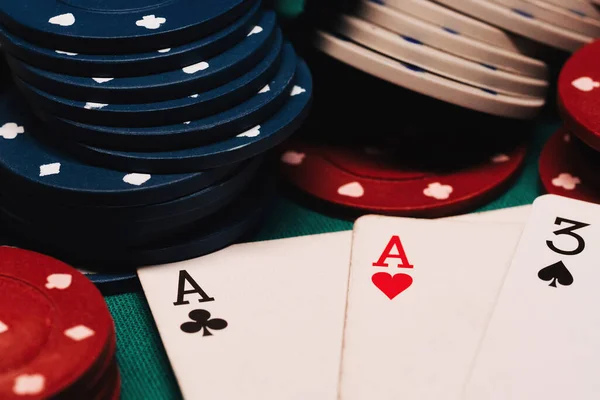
(255, 321)
(542, 340)
(420, 294)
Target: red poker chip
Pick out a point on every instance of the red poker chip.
(579, 94)
(54, 326)
(563, 171)
(369, 179)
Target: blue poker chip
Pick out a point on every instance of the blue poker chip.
(117, 26)
(172, 111)
(95, 93)
(117, 65)
(256, 140)
(227, 226)
(222, 125)
(35, 168)
(78, 229)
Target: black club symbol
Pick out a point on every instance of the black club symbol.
(201, 321)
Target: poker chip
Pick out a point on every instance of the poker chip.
(520, 22)
(119, 65)
(579, 95)
(459, 24)
(117, 26)
(156, 116)
(181, 82)
(463, 46)
(566, 169)
(422, 81)
(416, 181)
(256, 140)
(409, 50)
(70, 334)
(135, 133)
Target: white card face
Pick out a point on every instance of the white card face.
(511, 215)
(283, 302)
(412, 333)
(543, 338)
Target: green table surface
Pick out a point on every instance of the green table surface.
(145, 369)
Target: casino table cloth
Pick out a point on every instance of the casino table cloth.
(145, 369)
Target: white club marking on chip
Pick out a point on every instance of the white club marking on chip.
(165, 50)
(291, 157)
(94, 106)
(500, 158)
(352, 189)
(79, 333)
(255, 30)
(66, 53)
(151, 22)
(50, 169)
(193, 96)
(59, 281)
(251, 133)
(585, 84)
(266, 89)
(63, 20)
(187, 122)
(566, 181)
(102, 80)
(438, 191)
(10, 130)
(29, 384)
(296, 90)
(567, 138)
(136, 179)
(192, 69)
(3, 327)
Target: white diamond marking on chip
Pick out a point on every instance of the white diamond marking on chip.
(136, 179)
(59, 281)
(193, 96)
(251, 133)
(500, 158)
(3, 327)
(102, 80)
(292, 157)
(66, 53)
(10, 130)
(50, 169)
(29, 384)
(438, 191)
(151, 22)
(63, 20)
(79, 333)
(296, 90)
(266, 89)
(566, 181)
(165, 50)
(255, 30)
(187, 122)
(585, 84)
(352, 189)
(94, 106)
(192, 69)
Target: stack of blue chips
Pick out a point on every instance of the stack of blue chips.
(133, 132)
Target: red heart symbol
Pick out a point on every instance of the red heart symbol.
(390, 285)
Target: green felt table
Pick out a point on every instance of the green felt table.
(145, 369)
